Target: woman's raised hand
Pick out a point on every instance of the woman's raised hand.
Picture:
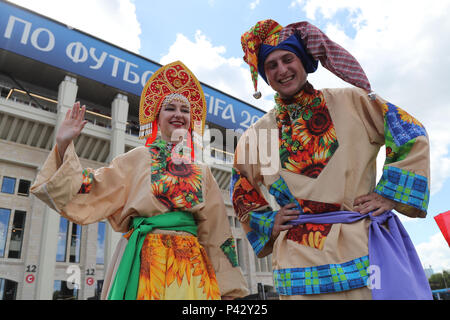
(70, 128)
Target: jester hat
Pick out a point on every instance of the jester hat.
(305, 40)
(172, 81)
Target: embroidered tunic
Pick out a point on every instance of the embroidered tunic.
(326, 143)
(146, 182)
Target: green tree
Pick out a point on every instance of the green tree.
(440, 280)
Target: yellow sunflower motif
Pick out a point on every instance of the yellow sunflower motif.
(180, 201)
(178, 260)
(208, 282)
(294, 166)
(157, 188)
(385, 108)
(404, 116)
(301, 132)
(153, 269)
(320, 154)
(173, 267)
(168, 180)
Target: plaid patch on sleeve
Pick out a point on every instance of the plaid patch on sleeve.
(283, 195)
(404, 187)
(402, 126)
(257, 240)
(262, 221)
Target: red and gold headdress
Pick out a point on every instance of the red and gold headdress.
(173, 79)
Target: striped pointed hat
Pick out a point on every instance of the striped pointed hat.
(308, 42)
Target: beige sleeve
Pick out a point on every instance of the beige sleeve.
(406, 171)
(58, 185)
(214, 234)
(246, 196)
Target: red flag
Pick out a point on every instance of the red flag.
(443, 221)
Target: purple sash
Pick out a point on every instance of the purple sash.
(401, 275)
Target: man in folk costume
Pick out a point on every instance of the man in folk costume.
(334, 236)
(178, 242)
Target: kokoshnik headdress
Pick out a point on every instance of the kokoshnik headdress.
(173, 81)
(305, 40)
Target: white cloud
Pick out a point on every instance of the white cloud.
(405, 56)
(114, 21)
(211, 66)
(435, 252)
(254, 4)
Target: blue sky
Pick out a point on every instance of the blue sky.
(404, 56)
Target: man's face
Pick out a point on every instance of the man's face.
(285, 73)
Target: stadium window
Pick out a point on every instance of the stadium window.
(240, 254)
(17, 232)
(8, 289)
(257, 264)
(4, 224)
(75, 243)
(98, 289)
(8, 185)
(231, 221)
(62, 290)
(101, 243)
(68, 251)
(62, 240)
(24, 187)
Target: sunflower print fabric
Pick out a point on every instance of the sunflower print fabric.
(307, 136)
(243, 195)
(175, 268)
(177, 184)
(310, 234)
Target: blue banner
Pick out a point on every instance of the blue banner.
(42, 39)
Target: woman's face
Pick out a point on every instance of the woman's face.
(174, 120)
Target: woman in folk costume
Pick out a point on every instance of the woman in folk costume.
(178, 243)
(334, 236)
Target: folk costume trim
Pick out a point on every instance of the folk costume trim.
(173, 80)
(405, 187)
(176, 184)
(400, 131)
(327, 278)
(261, 223)
(244, 196)
(229, 249)
(307, 136)
(308, 234)
(88, 180)
(400, 126)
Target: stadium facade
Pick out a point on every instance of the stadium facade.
(45, 66)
